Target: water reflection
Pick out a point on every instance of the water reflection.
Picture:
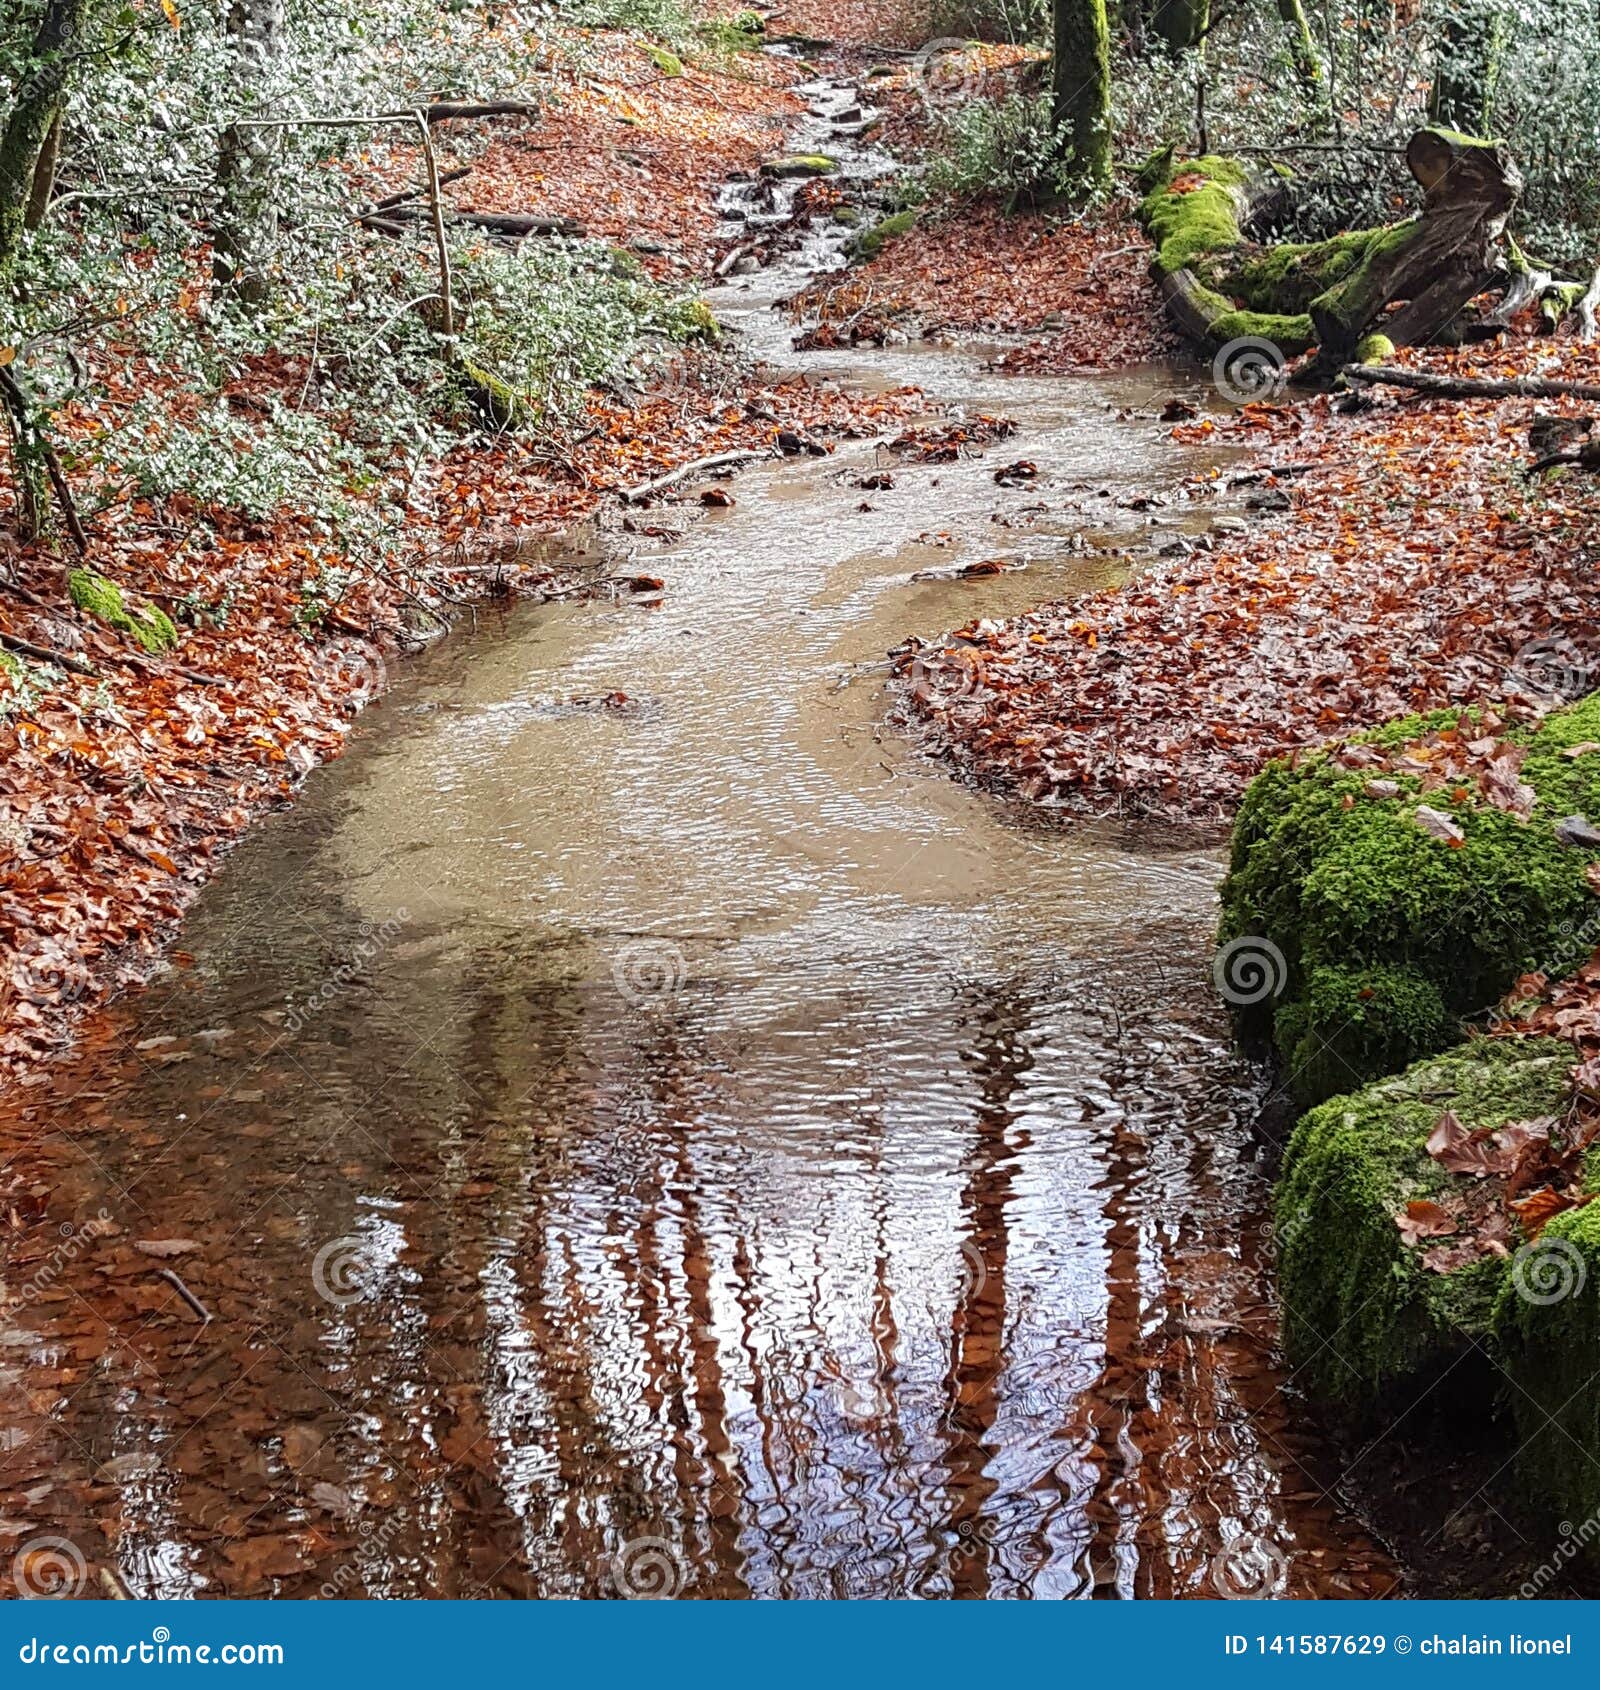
(685, 1150)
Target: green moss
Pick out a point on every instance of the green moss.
(799, 164)
(1374, 349)
(1388, 935)
(1547, 1336)
(1198, 222)
(870, 242)
(1156, 171)
(1291, 335)
(1288, 277)
(1361, 1314)
(663, 58)
(848, 215)
(1344, 309)
(12, 667)
(1556, 301)
(95, 596)
(494, 398)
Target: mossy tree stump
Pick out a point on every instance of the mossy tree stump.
(1220, 285)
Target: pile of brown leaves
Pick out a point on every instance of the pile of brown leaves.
(1412, 573)
(1514, 1177)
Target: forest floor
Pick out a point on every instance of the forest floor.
(126, 776)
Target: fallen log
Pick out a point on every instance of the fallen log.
(718, 460)
(1473, 387)
(442, 111)
(1221, 285)
(415, 192)
(515, 223)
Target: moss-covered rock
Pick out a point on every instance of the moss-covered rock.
(1547, 1338)
(1361, 1312)
(799, 164)
(95, 596)
(870, 242)
(663, 58)
(1384, 935)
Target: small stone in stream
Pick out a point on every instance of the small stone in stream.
(1274, 499)
(1014, 475)
(1230, 525)
(747, 266)
(1177, 410)
(1578, 830)
(719, 496)
(878, 482)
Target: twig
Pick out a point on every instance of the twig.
(1473, 387)
(718, 460)
(44, 654)
(411, 193)
(188, 1296)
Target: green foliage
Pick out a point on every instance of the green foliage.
(95, 596)
(1024, 22)
(1008, 149)
(1361, 1314)
(1390, 936)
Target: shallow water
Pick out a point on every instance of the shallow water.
(680, 1143)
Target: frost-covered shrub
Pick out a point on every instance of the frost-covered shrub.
(1007, 149)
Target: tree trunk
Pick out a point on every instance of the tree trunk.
(247, 220)
(44, 177)
(1081, 87)
(34, 111)
(1437, 262)
(1302, 47)
(1468, 67)
(1181, 23)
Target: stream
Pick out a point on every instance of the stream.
(638, 1128)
